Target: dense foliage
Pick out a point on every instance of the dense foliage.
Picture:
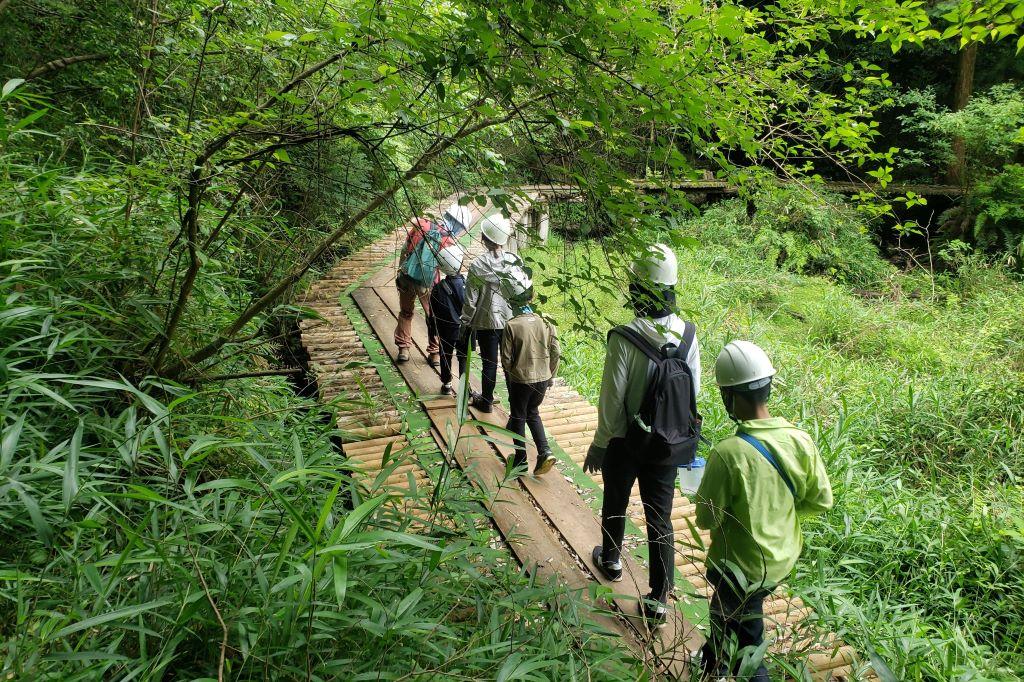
(912, 391)
(172, 172)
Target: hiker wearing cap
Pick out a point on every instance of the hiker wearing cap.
(648, 424)
(418, 273)
(446, 299)
(757, 485)
(529, 356)
(485, 311)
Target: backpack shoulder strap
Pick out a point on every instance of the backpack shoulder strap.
(639, 341)
(689, 331)
(766, 453)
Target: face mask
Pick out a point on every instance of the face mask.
(648, 301)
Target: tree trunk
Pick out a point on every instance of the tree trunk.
(956, 174)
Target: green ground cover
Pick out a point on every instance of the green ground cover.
(911, 385)
(161, 530)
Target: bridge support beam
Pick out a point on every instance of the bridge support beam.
(538, 221)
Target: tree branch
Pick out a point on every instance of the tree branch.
(256, 307)
(197, 185)
(248, 375)
(62, 63)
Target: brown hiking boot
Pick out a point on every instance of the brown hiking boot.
(403, 355)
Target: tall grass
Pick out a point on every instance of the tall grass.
(917, 406)
(153, 531)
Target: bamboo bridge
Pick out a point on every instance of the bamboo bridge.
(403, 435)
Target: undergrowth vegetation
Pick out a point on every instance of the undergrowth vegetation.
(173, 172)
(210, 529)
(913, 390)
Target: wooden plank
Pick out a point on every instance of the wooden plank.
(561, 503)
(521, 524)
(565, 407)
(725, 188)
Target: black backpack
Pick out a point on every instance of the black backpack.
(667, 428)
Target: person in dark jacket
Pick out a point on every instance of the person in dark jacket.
(446, 299)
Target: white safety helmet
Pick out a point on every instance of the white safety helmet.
(658, 266)
(496, 228)
(744, 366)
(450, 258)
(515, 284)
(457, 218)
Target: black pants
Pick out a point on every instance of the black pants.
(487, 340)
(524, 410)
(448, 338)
(622, 467)
(734, 615)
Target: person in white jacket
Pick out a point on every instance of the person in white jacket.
(485, 311)
(627, 372)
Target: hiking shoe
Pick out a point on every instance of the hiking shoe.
(433, 359)
(544, 463)
(403, 355)
(479, 403)
(608, 570)
(446, 389)
(653, 612)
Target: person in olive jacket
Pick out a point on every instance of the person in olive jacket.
(529, 356)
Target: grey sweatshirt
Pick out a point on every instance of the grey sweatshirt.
(485, 307)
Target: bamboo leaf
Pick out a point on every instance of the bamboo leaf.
(9, 442)
(340, 573)
(70, 488)
(117, 614)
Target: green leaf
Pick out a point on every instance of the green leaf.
(730, 22)
(70, 488)
(356, 517)
(9, 443)
(117, 614)
(32, 507)
(13, 575)
(325, 509)
(280, 36)
(339, 569)
(10, 86)
(884, 672)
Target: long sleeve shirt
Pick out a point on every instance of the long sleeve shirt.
(529, 349)
(627, 371)
(485, 307)
(753, 517)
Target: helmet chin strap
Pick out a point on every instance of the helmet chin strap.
(730, 405)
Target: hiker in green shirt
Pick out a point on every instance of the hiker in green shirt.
(757, 485)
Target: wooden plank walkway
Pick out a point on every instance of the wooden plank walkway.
(549, 523)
